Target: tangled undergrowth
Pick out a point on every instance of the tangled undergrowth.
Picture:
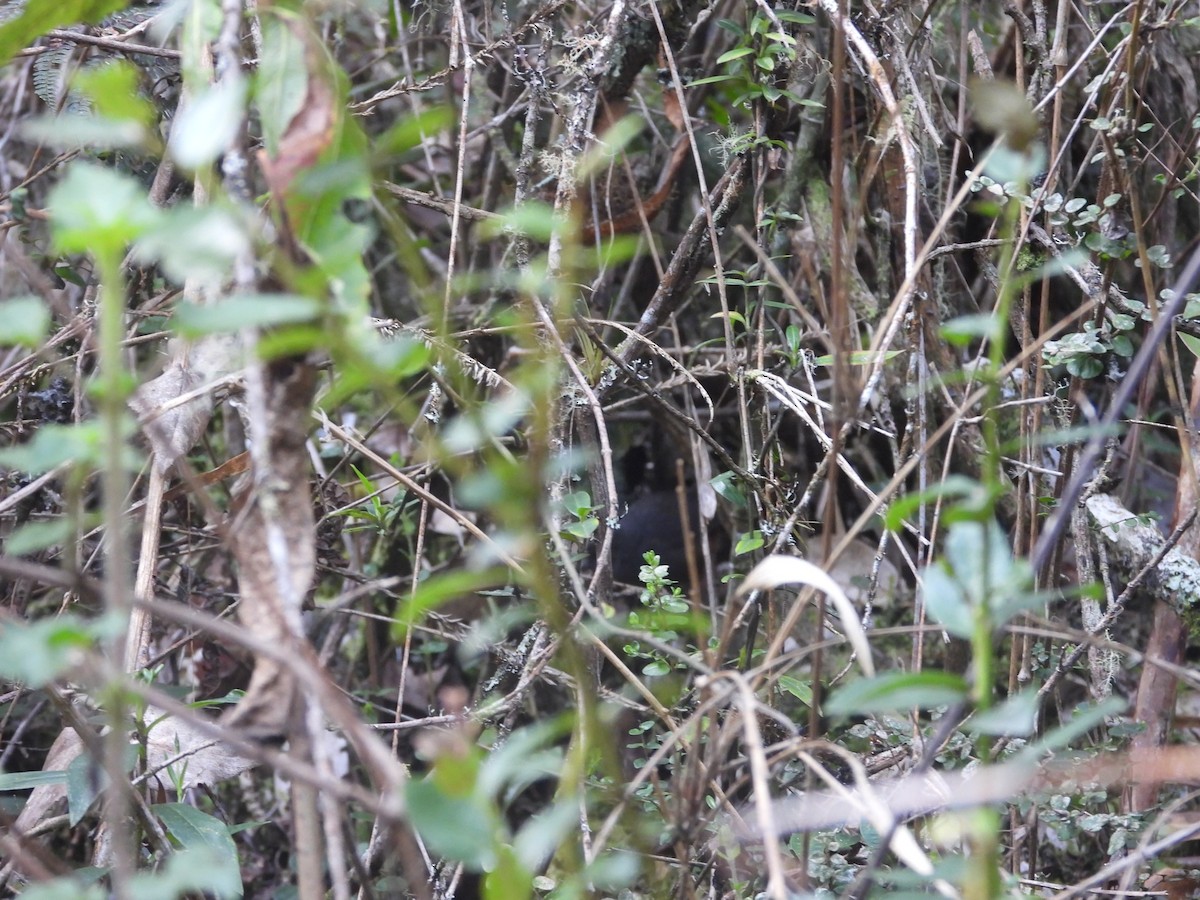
(631, 450)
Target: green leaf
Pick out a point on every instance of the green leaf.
(23, 781)
(64, 889)
(898, 691)
(748, 543)
(860, 357)
(1086, 718)
(99, 211)
(198, 831)
(1084, 367)
(439, 590)
(509, 880)
(529, 755)
(208, 125)
(34, 536)
(711, 79)
(281, 80)
(1015, 717)
(115, 93)
(971, 495)
(242, 311)
(963, 330)
(801, 690)
(73, 131)
(54, 445)
(731, 55)
(196, 242)
(946, 602)
(536, 220)
(545, 832)
(1191, 342)
(40, 16)
(462, 828)
(38, 652)
(728, 487)
(85, 781)
(787, 15)
(24, 322)
(194, 871)
(410, 130)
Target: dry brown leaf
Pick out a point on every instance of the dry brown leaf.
(176, 752)
(173, 432)
(272, 527)
(310, 131)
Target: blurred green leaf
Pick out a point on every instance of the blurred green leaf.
(24, 322)
(209, 123)
(242, 311)
(281, 80)
(194, 871)
(55, 444)
(36, 653)
(41, 16)
(438, 590)
(196, 242)
(1015, 717)
(34, 536)
(215, 859)
(23, 781)
(86, 779)
(895, 692)
(98, 210)
(464, 828)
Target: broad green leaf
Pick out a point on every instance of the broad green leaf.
(439, 590)
(196, 242)
(731, 55)
(71, 131)
(411, 130)
(462, 828)
(195, 871)
(64, 889)
(98, 210)
(728, 487)
(281, 80)
(529, 755)
(898, 691)
(36, 653)
(544, 833)
(196, 830)
(242, 311)
(510, 880)
(54, 445)
(115, 93)
(1015, 717)
(1086, 718)
(208, 125)
(40, 16)
(860, 358)
(24, 322)
(23, 781)
(85, 781)
(801, 690)
(969, 495)
(962, 330)
(537, 220)
(34, 536)
(1191, 342)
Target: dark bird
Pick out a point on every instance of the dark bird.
(653, 523)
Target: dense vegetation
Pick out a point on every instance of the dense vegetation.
(654, 449)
